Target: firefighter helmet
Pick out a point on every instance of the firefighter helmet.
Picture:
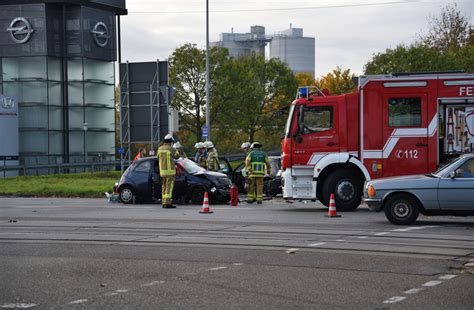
(245, 145)
(168, 138)
(256, 145)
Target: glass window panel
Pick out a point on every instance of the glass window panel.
(98, 71)
(55, 118)
(317, 118)
(27, 92)
(100, 142)
(76, 118)
(100, 119)
(24, 68)
(74, 70)
(55, 93)
(99, 94)
(33, 117)
(56, 143)
(54, 69)
(75, 94)
(34, 142)
(76, 142)
(404, 112)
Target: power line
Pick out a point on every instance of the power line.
(277, 9)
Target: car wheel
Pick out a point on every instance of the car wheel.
(347, 190)
(401, 209)
(126, 194)
(197, 196)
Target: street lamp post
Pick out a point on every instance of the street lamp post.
(208, 99)
(85, 126)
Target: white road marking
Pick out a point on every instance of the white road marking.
(413, 228)
(317, 244)
(363, 237)
(432, 283)
(382, 233)
(394, 299)
(111, 294)
(237, 264)
(217, 268)
(447, 277)
(122, 291)
(76, 302)
(291, 251)
(340, 240)
(18, 306)
(152, 283)
(414, 290)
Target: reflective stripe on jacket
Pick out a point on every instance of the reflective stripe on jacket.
(166, 154)
(256, 163)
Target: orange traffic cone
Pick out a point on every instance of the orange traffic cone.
(205, 205)
(332, 207)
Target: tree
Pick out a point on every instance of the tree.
(305, 79)
(250, 93)
(187, 75)
(337, 82)
(449, 31)
(439, 50)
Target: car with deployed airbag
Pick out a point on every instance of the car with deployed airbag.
(141, 182)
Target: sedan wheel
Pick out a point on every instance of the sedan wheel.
(401, 209)
(126, 195)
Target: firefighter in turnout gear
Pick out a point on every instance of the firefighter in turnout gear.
(256, 164)
(212, 157)
(166, 156)
(246, 149)
(179, 149)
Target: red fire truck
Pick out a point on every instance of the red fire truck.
(397, 124)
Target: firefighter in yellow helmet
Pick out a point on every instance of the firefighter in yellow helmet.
(166, 156)
(256, 164)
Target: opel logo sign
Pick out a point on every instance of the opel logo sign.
(100, 32)
(20, 30)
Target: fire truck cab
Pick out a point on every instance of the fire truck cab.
(397, 124)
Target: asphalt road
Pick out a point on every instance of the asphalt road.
(86, 253)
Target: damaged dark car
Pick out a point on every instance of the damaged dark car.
(141, 182)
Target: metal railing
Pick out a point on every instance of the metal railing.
(61, 168)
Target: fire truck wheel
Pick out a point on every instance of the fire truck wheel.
(347, 190)
(126, 194)
(401, 209)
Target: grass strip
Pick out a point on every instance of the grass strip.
(92, 185)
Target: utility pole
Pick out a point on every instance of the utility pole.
(208, 97)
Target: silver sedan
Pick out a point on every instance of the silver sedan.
(448, 191)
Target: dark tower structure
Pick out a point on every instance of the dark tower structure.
(57, 60)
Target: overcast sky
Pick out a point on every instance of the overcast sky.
(347, 33)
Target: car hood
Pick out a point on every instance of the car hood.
(406, 182)
(211, 174)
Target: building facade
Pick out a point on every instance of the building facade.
(244, 44)
(295, 50)
(57, 62)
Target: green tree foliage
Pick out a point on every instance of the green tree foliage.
(448, 45)
(188, 76)
(249, 96)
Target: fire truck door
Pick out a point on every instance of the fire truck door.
(318, 126)
(405, 134)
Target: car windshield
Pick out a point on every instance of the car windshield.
(190, 166)
(444, 169)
